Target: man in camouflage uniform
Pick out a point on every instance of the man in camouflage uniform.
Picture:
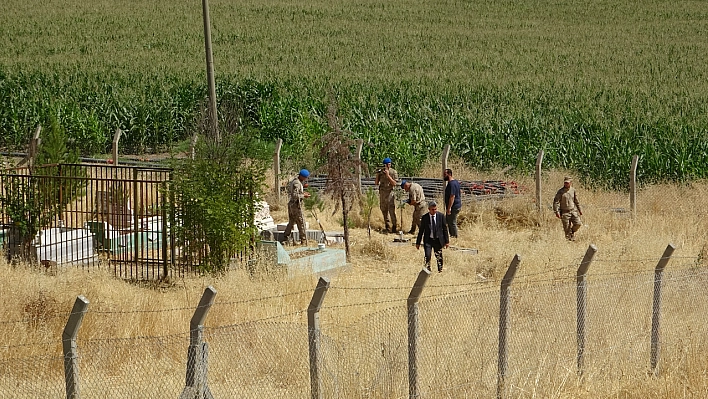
(416, 199)
(387, 179)
(567, 208)
(296, 193)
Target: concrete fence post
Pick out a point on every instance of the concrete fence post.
(71, 330)
(276, 168)
(193, 146)
(313, 334)
(196, 383)
(539, 161)
(34, 146)
(359, 147)
(414, 332)
(582, 294)
(114, 151)
(445, 155)
(504, 313)
(656, 310)
(633, 186)
(31, 155)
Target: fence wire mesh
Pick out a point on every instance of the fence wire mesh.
(367, 358)
(364, 345)
(263, 359)
(146, 367)
(458, 345)
(38, 373)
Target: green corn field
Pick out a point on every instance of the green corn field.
(591, 84)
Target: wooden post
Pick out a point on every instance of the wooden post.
(656, 310)
(582, 294)
(414, 332)
(445, 154)
(313, 333)
(276, 168)
(196, 382)
(504, 313)
(633, 186)
(213, 115)
(539, 161)
(116, 139)
(359, 147)
(71, 330)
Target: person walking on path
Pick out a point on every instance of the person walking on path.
(296, 193)
(434, 235)
(416, 199)
(453, 202)
(567, 208)
(387, 180)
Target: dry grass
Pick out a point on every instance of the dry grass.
(367, 299)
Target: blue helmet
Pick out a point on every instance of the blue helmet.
(304, 173)
(386, 160)
(403, 183)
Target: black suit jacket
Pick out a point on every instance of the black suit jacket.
(439, 228)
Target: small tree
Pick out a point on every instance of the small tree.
(367, 207)
(34, 199)
(315, 205)
(342, 178)
(216, 193)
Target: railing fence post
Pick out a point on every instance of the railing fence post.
(276, 168)
(633, 186)
(71, 330)
(539, 162)
(582, 294)
(504, 313)
(313, 335)
(656, 310)
(196, 383)
(414, 332)
(136, 221)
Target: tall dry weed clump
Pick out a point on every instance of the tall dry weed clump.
(517, 214)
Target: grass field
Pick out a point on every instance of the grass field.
(590, 83)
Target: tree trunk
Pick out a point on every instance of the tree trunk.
(346, 225)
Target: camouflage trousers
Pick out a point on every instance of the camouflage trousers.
(387, 203)
(571, 223)
(295, 218)
(418, 212)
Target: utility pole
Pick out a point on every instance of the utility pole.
(213, 116)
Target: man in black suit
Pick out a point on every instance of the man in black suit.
(434, 234)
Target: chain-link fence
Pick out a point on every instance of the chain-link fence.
(564, 330)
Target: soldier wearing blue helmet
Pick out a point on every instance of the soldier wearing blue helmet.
(296, 193)
(387, 179)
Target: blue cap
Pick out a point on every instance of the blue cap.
(386, 160)
(403, 183)
(304, 173)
